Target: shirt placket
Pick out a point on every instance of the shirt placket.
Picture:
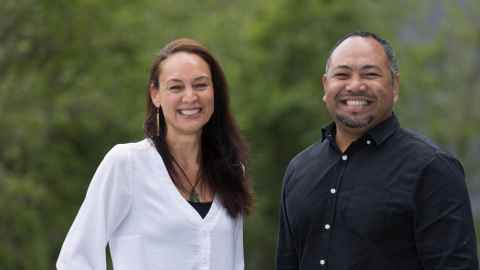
(205, 247)
(332, 202)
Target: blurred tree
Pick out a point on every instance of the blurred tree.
(57, 117)
(73, 79)
(441, 102)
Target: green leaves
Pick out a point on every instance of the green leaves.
(73, 77)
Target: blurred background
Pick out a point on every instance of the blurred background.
(73, 76)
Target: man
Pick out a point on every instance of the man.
(371, 195)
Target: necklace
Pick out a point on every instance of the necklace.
(193, 196)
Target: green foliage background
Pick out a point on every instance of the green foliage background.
(73, 76)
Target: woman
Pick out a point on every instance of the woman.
(176, 199)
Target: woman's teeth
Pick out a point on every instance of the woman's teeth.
(189, 111)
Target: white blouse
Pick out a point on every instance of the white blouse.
(133, 205)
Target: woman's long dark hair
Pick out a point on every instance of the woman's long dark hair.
(223, 151)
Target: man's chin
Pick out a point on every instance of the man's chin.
(354, 123)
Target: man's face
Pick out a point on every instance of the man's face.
(359, 88)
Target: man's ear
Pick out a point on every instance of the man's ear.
(154, 94)
(396, 86)
(324, 83)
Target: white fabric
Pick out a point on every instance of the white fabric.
(133, 205)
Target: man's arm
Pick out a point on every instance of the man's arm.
(444, 229)
(286, 253)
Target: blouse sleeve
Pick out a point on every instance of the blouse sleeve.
(239, 256)
(106, 204)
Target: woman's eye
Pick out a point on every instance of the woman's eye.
(175, 88)
(200, 86)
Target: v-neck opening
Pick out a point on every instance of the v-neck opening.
(189, 212)
(202, 208)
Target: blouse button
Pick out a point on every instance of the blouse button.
(333, 191)
(344, 157)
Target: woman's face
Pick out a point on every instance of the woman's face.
(185, 94)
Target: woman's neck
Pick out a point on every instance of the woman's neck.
(185, 150)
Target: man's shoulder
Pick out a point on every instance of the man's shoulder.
(305, 164)
(421, 145)
(310, 154)
(414, 138)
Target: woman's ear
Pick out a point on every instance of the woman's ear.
(154, 94)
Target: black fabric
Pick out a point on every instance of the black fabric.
(393, 200)
(201, 207)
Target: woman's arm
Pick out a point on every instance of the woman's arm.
(106, 203)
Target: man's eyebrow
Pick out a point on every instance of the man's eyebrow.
(370, 67)
(342, 67)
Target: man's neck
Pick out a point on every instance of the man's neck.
(344, 138)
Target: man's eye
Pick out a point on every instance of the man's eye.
(373, 75)
(341, 75)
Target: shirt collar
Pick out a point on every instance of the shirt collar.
(382, 131)
(328, 131)
(378, 134)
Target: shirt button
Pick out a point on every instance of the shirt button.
(333, 191)
(368, 142)
(344, 157)
(323, 262)
(327, 226)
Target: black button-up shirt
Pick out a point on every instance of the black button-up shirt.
(392, 200)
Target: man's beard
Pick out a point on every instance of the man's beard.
(354, 123)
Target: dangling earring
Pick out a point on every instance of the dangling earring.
(158, 122)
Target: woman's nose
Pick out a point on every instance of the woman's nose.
(190, 95)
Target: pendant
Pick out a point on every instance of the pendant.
(194, 197)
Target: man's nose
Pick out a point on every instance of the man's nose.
(356, 83)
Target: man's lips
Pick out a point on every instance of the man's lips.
(356, 101)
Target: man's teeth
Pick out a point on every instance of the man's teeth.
(189, 111)
(356, 102)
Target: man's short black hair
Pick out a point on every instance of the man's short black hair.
(392, 59)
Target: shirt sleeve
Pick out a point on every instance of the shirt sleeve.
(106, 203)
(239, 252)
(444, 228)
(286, 252)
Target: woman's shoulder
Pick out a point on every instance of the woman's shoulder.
(123, 151)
